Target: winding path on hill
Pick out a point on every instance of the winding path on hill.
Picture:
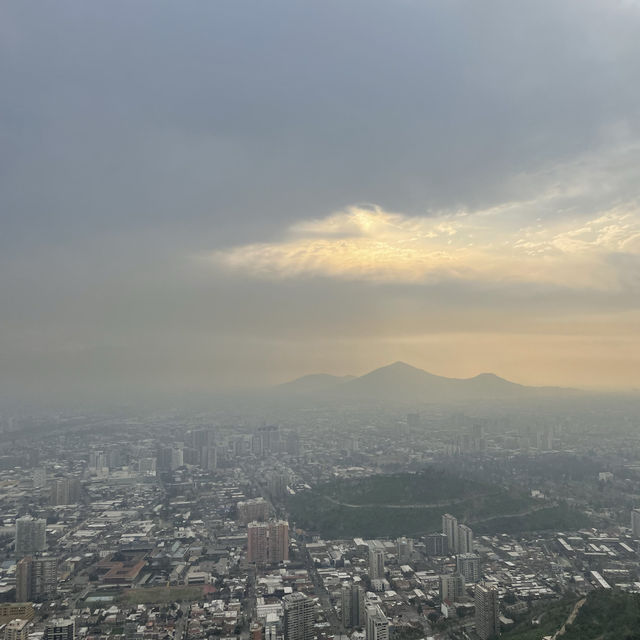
(432, 505)
(569, 620)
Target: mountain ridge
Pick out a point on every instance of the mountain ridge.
(402, 382)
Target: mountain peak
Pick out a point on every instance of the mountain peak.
(400, 382)
(399, 365)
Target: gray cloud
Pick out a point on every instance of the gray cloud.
(136, 135)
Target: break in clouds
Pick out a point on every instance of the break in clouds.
(181, 192)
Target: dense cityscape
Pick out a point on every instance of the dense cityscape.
(189, 527)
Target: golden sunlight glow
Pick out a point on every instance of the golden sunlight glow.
(368, 243)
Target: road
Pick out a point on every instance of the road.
(570, 619)
(431, 505)
(322, 593)
(182, 622)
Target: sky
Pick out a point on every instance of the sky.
(216, 194)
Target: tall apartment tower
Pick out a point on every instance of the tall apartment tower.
(465, 539)
(65, 491)
(376, 564)
(253, 510)
(451, 587)
(258, 542)
(377, 624)
(39, 477)
(450, 529)
(487, 611)
(298, 616)
(36, 578)
(30, 535)
(436, 544)
(210, 458)
(268, 542)
(468, 564)
(278, 541)
(404, 549)
(60, 629)
(352, 597)
(635, 523)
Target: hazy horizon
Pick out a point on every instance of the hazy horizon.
(213, 196)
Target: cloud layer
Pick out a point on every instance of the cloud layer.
(580, 231)
(499, 142)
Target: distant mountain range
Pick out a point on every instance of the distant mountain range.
(401, 383)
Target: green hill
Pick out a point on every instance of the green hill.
(607, 615)
(413, 503)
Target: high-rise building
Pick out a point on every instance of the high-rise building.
(199, 438)
(377, 624)
(465, 539)
(293, 444)
(266, 440)
(65, 491)
(36, 578)
(190, 456)
(487, 611)
(298, 616)
(451, 587)
(278, 482)
(253, 510)
(352, 596)
(257, 542)
(376, 564)
(635, 523)
(98, 462)
(23, 579)
(450, 529)
(147, 466)
(163, 459)
(268, 542)
(404, 549)
(17, 629)
(177, 458)
(468, 564)
(437, 544)
(278, 541)
(60, 629)
(39, 477)
(30, 535)
(209, 458)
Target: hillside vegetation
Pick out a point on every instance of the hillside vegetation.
(607, 615)
(413, 503)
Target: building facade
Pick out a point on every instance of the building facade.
(36, 578)
(465, 539)
(60, 629)
(450, 529)
(298, 617)
(635, 523)
(451, 587)
(376, 564)
(487, 611)
(30, 535)
(468, 564)
(268, 542)
(377, 624)
(352, 599)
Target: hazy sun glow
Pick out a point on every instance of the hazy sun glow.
(373, 244)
